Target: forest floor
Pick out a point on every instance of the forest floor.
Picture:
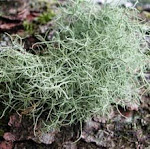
(127, 128)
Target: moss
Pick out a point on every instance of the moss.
(29, 26)
(32, 26)
(46, 17)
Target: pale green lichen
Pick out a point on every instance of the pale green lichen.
(93, 60)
